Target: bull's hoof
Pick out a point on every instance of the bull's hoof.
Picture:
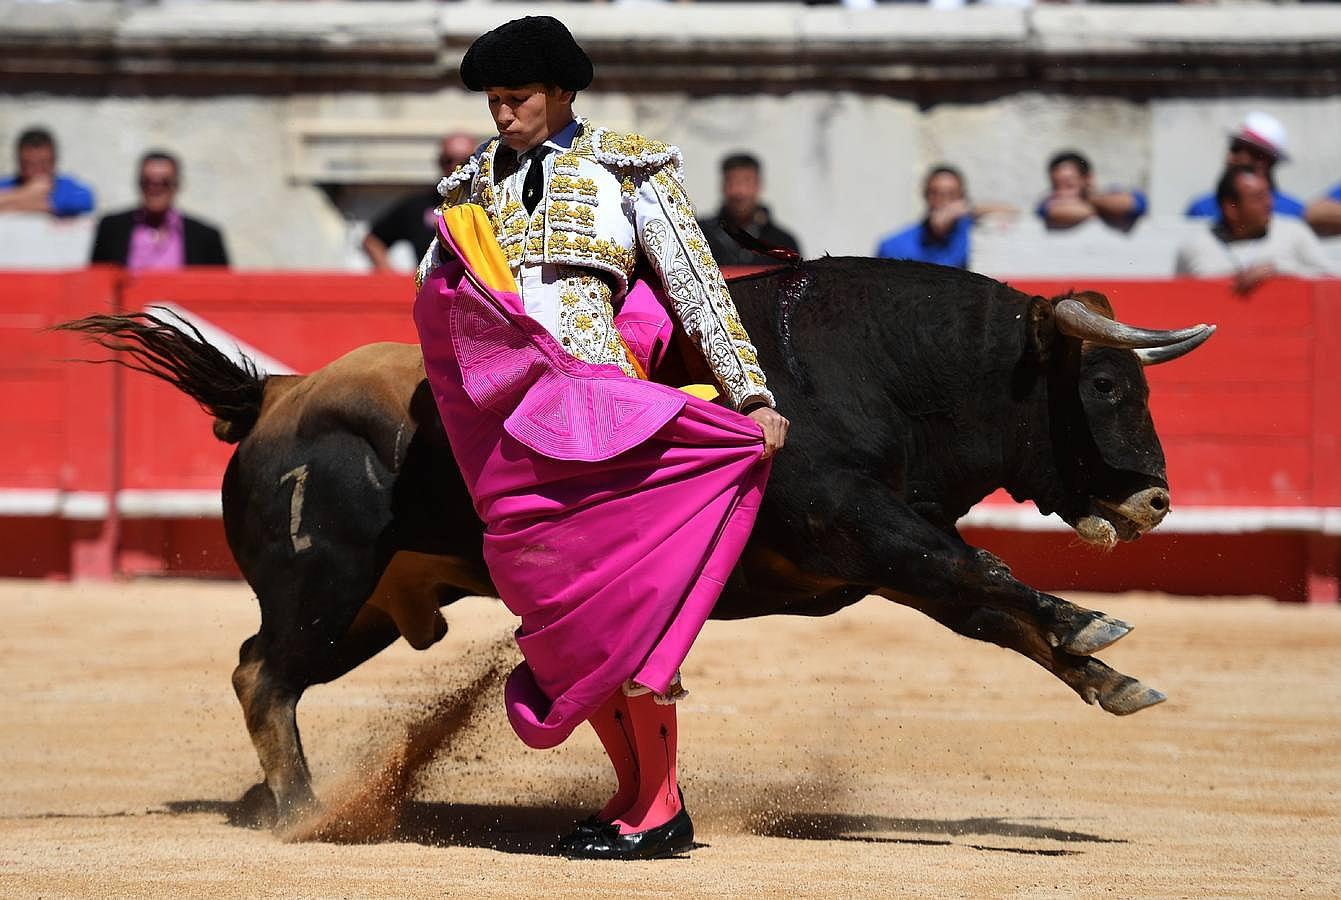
(1094, 634)
(295, 808)
(1130, 696)
(256, 809)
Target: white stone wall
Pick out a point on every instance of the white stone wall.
(814, 92)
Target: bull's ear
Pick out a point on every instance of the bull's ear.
(1040, 330)
(1094, 301)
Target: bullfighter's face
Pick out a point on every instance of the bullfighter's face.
(525, 116)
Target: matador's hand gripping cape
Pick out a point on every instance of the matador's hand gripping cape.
(614, 508)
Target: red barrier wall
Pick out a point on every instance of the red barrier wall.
(1249, 425)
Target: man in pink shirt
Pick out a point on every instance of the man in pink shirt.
(156, 235)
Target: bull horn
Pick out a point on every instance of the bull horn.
(1153, 356)
(1078, 320)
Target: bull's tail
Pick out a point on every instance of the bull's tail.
(178, 353)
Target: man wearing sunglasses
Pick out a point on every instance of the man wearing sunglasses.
(413, 219)
(155, 235)
(1259, 143)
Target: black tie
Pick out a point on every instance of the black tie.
(533, 188)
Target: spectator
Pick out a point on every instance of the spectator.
(36, 187)
(1073, 199)
(155, 235)
(1324, 214)
(942, 237)
(1247, 242)
(1259, 143)
(742, 184)
(413, 218)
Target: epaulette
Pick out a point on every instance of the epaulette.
(633, 151)
(464, 173)
(460, 175)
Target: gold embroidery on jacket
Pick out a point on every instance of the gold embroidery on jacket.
(567, 230)
(587, 319)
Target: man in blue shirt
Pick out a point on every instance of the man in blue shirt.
(942, 237)
(1260, 143)
(1072, 198)
(1324, 214)
(36, 187)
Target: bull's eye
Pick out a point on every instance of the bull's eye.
(1104, 385)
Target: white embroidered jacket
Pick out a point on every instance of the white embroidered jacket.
(608, 197)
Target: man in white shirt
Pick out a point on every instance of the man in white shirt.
(1249, 243)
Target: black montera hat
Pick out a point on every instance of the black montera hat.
(526, 50)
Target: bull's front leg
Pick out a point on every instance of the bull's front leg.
(1071, 628)
(859, 530)
(868, 529)
(1094, 681)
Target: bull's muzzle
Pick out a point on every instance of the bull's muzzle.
(1110, 522)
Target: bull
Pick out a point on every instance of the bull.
(913, 391)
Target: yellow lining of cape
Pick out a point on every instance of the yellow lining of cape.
(468, 224)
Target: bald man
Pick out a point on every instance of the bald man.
(412, 218)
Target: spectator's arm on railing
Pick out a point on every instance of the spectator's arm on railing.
(1065, 211)
(942, 221)
(984, 210)
(1324, 216)
(1118, 204)
(31, 196)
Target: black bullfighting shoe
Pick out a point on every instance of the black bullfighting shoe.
(585, 830)
(671, 839)
(592, 825)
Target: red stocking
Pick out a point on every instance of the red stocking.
(613, 726)
(654, 738)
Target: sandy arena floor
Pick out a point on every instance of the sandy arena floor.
(870, 753)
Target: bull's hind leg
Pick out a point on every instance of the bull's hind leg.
(269, 706)
(273, 674)
(269, 694)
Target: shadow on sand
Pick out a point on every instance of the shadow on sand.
(892, 830)
(532, 830)
(507, 828)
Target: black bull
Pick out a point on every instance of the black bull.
(913, 392)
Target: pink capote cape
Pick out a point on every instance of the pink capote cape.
(614, 508)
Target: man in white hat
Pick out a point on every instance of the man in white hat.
(1247, 244)
(1259, 142)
